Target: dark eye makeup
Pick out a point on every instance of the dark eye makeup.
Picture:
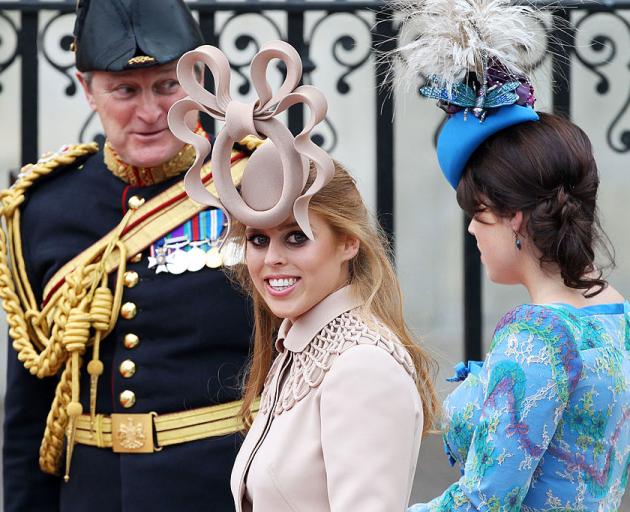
(258, 239)
(293, 239)
(296, 238)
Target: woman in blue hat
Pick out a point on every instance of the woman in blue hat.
(544, 423)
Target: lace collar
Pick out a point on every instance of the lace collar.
(309, 366)
(296, 336)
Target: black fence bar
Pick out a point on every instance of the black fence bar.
(27, 44)
(384, 39)
(213, 6)
(300, 5)
(473, 310)
(295, 37)
(561, 41)
(207, 22)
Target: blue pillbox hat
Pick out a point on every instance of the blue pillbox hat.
(461, 136)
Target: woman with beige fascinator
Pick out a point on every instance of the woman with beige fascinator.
(345, 392)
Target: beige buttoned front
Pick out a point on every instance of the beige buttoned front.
(131, 341)
(340, 419)
(128, 310)
(131, 278)
(127, 399)
(127, 368)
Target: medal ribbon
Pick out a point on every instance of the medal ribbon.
(206, 226)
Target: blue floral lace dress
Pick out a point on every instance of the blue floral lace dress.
(544, 424)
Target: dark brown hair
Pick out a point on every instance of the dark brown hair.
(545, 169)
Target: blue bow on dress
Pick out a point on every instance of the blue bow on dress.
(462, 370)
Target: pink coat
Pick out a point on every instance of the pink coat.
(340, 421)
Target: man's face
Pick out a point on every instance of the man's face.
(133, 106)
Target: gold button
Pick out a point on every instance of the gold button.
(127, 399)
(130, 278)
(136, 259)
(127, 368)
(131, 341)
(135, 202)
(128, 310)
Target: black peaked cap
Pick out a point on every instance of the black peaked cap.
(115, 35)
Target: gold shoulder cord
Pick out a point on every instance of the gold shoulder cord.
(83, 313)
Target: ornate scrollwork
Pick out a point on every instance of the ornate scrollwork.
(56, 29)
(345, 45)
(597, 50)
(13, 53)
(325, 136)
(245, 43)
(602, 51)
(348, 53)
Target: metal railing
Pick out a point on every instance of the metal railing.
(383, 33)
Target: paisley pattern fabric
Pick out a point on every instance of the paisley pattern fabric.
(545, 424)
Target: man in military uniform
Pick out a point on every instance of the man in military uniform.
(114, 297)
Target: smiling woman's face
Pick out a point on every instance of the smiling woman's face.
(293, 273)
(133, 107)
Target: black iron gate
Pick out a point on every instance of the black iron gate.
(30, 49)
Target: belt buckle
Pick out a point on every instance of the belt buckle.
(132, 433)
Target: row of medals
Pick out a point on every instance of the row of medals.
(173, 259)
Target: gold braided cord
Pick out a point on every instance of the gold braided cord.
(25, 293)
(54, 338)
(51, 448)
(11, 199)
(57, 336)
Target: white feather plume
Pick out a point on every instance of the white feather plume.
(448, 37)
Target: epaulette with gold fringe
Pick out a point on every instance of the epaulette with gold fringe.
(41, 351)
(10, 201)
(49, 162)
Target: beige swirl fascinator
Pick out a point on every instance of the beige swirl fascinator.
(275, 175)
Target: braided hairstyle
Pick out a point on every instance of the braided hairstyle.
(545, 169)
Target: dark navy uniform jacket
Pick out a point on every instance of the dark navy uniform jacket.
(194, 331)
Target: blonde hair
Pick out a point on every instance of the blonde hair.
(372, 278)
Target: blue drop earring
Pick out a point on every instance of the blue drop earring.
(517, 241)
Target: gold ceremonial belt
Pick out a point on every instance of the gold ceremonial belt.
(150, 432)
